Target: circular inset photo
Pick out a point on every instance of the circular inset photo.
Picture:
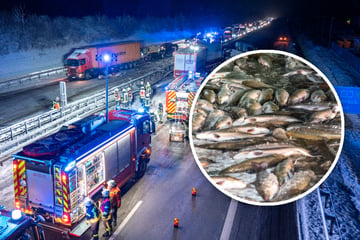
(266, 127)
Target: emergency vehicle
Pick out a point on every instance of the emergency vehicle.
(16, 225)
(53, 175)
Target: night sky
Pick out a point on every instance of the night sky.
(167, 8)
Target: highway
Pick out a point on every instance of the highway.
(150, 204)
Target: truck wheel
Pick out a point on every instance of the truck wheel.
(142, 169)
(87, 76)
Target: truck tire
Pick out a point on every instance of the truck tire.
(87, 75)
(142, 169)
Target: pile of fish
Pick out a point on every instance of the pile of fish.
(266, 127)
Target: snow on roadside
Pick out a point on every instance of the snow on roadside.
(342, 183)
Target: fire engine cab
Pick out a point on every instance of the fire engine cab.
(16, 225)
(53, 175)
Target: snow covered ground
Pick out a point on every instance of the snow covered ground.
(343, 183)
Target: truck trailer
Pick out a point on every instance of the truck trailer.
(89, 62)
(53, 175)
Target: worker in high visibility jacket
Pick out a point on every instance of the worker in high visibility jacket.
(147, 103)
(161, 112)
(130, 94)
(92, 217)
(105, 209)
(117, 97)
(56, 103)
(115, 200)
(147, 89)
(125, 97)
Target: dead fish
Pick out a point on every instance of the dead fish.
(254, 108)
(270, 120)
(281, 96)
(236, 112)
(280, 133)
(228, 183)
(223, 122)
(253, 94)
(269, 107)
(235, 97)
(299, 96)
(225, 136)
(212, 86)
(198, 121)
(266, 95)
(235, 145)
(265, 61)
(219, 75)
(310, 133)
(208, 95)
(300, 71)
(247, 129)
(207, 106)
(249, 164)
(285, 151)
(295, 185)
(266, 184)
(212, 118)
(318, 96)
(200, 110)
(223, 95)
(324, 115)
(256, 84)
(311, 107)
(283, 170)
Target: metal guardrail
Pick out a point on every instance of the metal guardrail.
(18, 135)
(32, 80)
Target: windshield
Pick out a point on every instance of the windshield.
(73, 62)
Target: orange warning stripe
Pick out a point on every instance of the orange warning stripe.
(171, 101)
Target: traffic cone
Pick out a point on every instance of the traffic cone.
(194, 192)
(176, 222)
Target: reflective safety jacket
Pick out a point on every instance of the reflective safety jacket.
(92, 214)
(105, 208)
(115, 197)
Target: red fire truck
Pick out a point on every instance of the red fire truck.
(88, 62)
(53, 175)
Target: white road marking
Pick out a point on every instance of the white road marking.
(225, 234)
(122, 225)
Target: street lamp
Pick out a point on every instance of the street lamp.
(106, 60)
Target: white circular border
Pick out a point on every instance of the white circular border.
(307, 191)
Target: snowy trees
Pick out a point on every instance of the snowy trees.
(22, 31)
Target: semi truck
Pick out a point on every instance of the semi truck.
(15, 225)
(198, 57)
(89, 61)
(53, 175)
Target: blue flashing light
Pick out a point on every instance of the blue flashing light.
(16, 214)
(141, 110)
(106, 57)
(70, 166)
(209, 35)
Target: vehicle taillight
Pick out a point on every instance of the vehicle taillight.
(66, 218)
(280, 38)
(17, 204)
(63, 178)
(285, 38)
(14, 166)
